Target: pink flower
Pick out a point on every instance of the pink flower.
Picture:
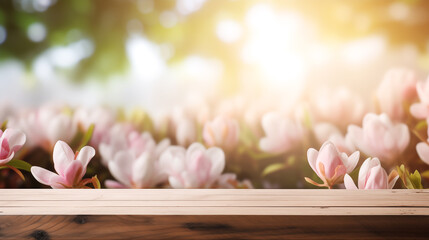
(339, 106)
(281, 133)
(196, 167)
(45, 126)
(398, 89)
(421, 110)
(11, 140)
(372, 176)
(380, 138)
(102, 118)
(423, 150)
(328, 132)
(117, 139)
(134, 161)
(222, 132)
(186, 132)
(70, 167)
(330, 165)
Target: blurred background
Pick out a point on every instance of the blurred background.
(158, 53)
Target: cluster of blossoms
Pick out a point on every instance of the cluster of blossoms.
(234, 144)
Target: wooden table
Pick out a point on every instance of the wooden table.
(213, 214)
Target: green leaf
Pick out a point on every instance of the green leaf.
(411, 181)
(416, 180)
(422, 125)
(263, 155)
(20, 164)
(273, 168)
(87, 137)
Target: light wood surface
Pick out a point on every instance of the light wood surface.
(212, 202)
(45, 214)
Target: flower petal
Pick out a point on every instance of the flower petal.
(175, 183)
(74, 173)
(143, 171)
(42, 175)
(15, 138)
(114, 184)
(121, 167)
(217, 158)
(348, 183)
(63, 156)
(419, 110)
(352, 161)
(423, 152)
(85, 155)
(312, 158)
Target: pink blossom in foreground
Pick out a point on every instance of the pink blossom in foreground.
(397, 89)
(330, 165)
(195, 167)
(329, 132)
(134, 162)
(11, 140)
(222, 132)
(372, 176)
(102, 118)
(379, 137)
(70, 167)
(45, 126)
(421, 110)
(340, 107)
(281, 133)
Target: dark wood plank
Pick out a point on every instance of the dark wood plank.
(213, 227)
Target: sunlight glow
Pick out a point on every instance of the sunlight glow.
(229, 31)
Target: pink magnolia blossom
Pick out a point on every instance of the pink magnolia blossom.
(45, 126)
(70, 167)
(421, 110)
(102, 118)
(186, 131)
(222, 132)
(397, 89)
(134, 160)
(340, 107)
(195, 167)
(11, 140)
(281, 133)
(329, 132)
(115, 140)
(380, 138)
(372, 176)
(423, 150)
(330, 165)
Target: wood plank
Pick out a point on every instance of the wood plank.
(210, 194)
(213, 227)
(212, 202)
(296, 211)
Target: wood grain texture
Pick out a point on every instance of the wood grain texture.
(213, 214)
(213, 227)
(212, 202)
